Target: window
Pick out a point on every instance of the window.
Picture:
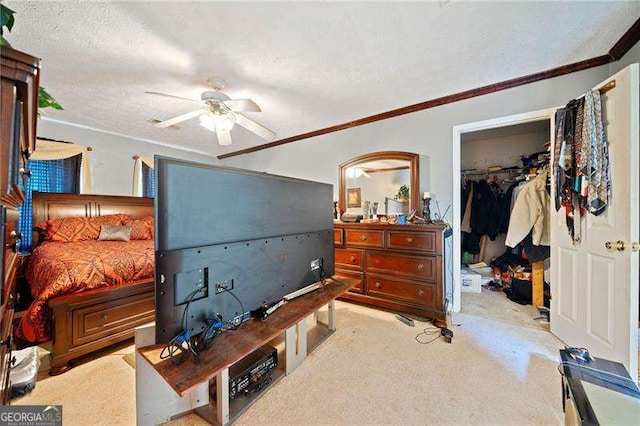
(148, 181)
(57, 176)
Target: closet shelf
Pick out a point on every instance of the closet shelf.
(490, 172)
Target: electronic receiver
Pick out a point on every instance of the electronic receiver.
(252, 372)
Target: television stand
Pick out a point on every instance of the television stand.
(165, 391)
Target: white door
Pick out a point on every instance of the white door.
(594, 289)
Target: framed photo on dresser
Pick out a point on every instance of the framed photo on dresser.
(354, 197)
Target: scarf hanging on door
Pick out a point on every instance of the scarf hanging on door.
(581, 161)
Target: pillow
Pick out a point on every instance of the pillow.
(141, 229)
(114, 233)
(71, 229)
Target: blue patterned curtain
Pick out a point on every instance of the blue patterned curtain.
(148, 181)
(57, 176)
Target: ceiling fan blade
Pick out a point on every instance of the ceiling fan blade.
(224, 137)
(242, 105)
(174, 97)
(254, 127)
(180, 118)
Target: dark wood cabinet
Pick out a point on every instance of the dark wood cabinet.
(18, 114)
(399, 267)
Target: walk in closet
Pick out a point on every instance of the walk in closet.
(496, 164)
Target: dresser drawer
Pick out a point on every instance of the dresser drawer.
(348, 259)
(416, 241)
(421, 267)
(359, 287)
(407, 291)
(363, 238)
(111, 317)
(338, 238)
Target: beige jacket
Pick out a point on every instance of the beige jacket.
(531, 210)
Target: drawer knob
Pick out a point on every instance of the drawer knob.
(420, 266)
(409, 239)
(353, 259)
(363, 237)
(104, 317)
(420, 292)
(378, 285)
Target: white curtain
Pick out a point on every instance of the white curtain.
(49, 150)
(137, 173)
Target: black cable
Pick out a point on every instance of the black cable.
(428, 332)
(175, 345)
(242, 311)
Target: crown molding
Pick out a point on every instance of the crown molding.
(626, 42)
(619, 49)
(122, 135)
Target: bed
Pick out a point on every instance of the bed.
(88, 294)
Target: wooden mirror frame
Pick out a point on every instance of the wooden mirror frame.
(414, 180)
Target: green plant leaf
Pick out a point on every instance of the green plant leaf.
(6, 18)
(4, 42)
(45, 100)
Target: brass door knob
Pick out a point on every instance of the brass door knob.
(615, 245)
(635, 246)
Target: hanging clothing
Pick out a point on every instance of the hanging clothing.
(465, 226)
(485, 209)
(581, 161)
(506, 206)
(598, 166)
(531, 214)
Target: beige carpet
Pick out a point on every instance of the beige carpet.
(371, 371)
(495, 305)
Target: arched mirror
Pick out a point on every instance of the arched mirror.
(388, 178)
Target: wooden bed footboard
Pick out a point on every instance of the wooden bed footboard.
(91, 320)
(85, 322)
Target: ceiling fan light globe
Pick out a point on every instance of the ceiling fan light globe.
(208, 122)
(225, 122)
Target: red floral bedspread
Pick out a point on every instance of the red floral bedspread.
(56, 269)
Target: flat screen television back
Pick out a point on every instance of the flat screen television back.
(229, 240)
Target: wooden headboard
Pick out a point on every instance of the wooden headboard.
(54, 206)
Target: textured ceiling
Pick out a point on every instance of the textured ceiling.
(308, 65)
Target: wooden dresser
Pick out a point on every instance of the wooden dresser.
(19, 106)
(399, 267)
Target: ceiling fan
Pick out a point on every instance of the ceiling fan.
(219, 113)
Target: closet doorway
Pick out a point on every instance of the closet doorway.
(595, 279)
(490, 152)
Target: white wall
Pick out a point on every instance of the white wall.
(427, 132)
(111, 158)
(502, 151)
